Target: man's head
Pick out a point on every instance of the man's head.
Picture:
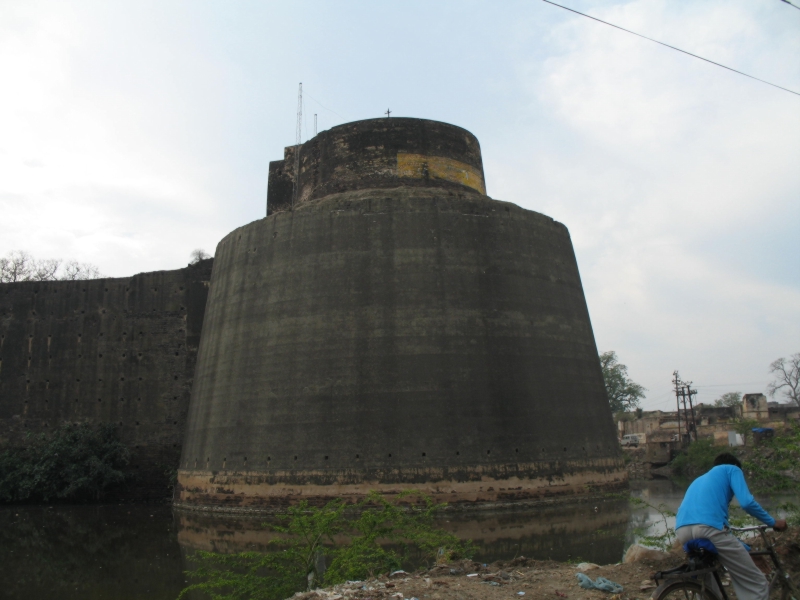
(726, 458)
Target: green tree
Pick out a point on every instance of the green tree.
(729, 399)
(744, 427)
(623, 393)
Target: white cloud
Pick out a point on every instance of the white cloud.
(136, 132)
(660, 156)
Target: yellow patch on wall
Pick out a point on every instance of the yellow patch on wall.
(419, 166)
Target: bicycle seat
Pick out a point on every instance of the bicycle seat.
(700, 545)
(700, 553)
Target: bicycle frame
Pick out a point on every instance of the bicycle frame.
(686, 573)
(769, 550)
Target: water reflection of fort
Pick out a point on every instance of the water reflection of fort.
(592, 531)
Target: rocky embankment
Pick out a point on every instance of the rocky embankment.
(637, 468)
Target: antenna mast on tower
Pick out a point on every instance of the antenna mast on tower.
(299, 138)
(298, 142)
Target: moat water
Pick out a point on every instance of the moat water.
(141, 552)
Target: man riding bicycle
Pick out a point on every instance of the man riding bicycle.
(704, 514)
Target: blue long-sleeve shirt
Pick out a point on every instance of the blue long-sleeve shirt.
(707, 499)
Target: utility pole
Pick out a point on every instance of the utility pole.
(690, 392)
(683, 390)
(676, 382)
(315, 124)
(298, 141)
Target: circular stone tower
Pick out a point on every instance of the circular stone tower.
(388, 326)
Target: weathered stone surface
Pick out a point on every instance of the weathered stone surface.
(397, 329)
(116, 351)
(401, 336)
(375, 154)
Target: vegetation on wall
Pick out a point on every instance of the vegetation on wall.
(327, 545)
(77, 463)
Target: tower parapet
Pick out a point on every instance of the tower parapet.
(374, 154)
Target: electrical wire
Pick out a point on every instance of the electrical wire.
(672, 47)
(325, 107)
(729, 384)
(790, 4)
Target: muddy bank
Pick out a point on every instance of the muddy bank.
(520, 578)
(524, 578)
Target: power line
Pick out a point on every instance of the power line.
(673, 47)
(790, 4)
(730, 384)
(325, 107)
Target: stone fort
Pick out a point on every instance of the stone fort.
(387, 326)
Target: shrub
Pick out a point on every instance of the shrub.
(772, 466)
(380, 538)
(696, 459)
(76, 463)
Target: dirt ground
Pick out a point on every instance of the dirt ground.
(519, 579)
(524, 579)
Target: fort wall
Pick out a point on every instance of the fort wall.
(397, 338)
(118, 351)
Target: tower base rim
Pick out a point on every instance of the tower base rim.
(238, 492)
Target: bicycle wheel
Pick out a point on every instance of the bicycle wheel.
(780, 589)
(683, 590)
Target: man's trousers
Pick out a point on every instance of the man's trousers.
(748, 580)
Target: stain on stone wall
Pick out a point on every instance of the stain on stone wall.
(419, 166)
(118, 351)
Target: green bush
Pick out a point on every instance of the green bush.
(380, 538)
(696, 459)
(772, 466)
(75, 463)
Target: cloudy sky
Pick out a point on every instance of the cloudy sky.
(133, 132)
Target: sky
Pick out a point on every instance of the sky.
(132, 133)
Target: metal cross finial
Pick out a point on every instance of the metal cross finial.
(388, 113)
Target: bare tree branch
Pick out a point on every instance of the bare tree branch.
(73, 270)
(44, 270)
(786, 378)
(21, 266)
(15, 267)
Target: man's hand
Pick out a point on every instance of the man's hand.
(780, 525)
